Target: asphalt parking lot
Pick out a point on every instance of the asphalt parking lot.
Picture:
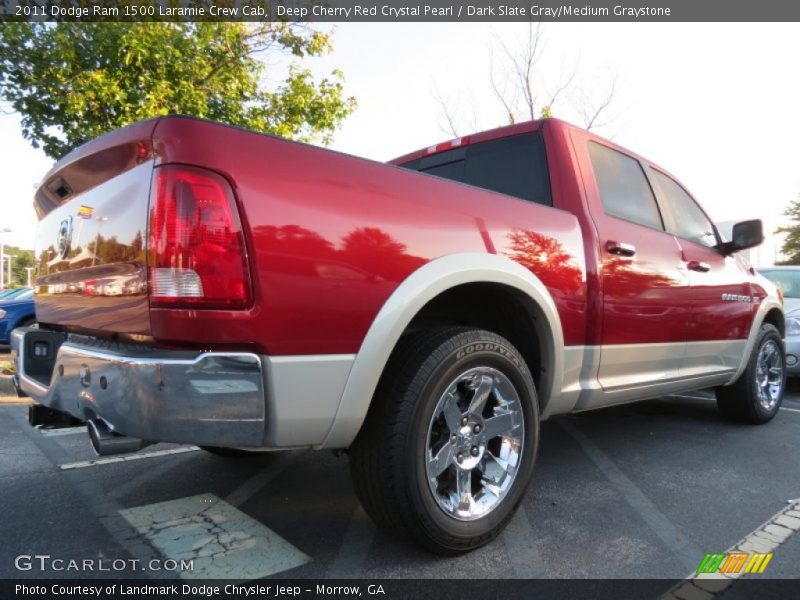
(637, 491)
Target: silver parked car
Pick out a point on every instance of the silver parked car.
(788, 280)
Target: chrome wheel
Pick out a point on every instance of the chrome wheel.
(474, 444)
(769, 375)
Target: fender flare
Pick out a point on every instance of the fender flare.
(767, 304)
(419, 288)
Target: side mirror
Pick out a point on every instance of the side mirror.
(746, 234)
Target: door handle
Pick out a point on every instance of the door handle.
(620, 248)
(699, 266)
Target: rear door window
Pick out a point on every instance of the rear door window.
(624, 190)
(515, 166)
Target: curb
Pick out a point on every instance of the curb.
(8, 400)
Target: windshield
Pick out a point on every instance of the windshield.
(787, 280)
(16, 294)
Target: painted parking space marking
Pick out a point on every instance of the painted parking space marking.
(142, 478)
(221, 541)
(659, 523)
(63, 431)
(244, 492)
(711, 399)
(125, 458)
(354, 551)
(762, 542)
(522, 547)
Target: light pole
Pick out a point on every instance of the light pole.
(29, 269)
(9, 257)
(2, 231)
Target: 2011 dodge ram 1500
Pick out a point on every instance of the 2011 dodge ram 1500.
(204, 284)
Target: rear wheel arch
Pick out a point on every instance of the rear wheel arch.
(421, 297)
(521, 320)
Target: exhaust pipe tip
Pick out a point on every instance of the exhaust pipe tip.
(106, 442)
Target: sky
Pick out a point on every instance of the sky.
(717, 105)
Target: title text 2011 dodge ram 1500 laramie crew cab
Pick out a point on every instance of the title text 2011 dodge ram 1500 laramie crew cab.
(204, 284)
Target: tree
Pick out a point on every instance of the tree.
(74, 81)
(791, 244)
(21, 259)
(516, 78)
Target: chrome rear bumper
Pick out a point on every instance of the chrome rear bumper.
(205, 398)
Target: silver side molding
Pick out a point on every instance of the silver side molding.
(597, 376)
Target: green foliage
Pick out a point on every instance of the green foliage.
(74, 81)
(791, 245)
(19, 276)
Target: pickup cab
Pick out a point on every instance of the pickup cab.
(199, 283)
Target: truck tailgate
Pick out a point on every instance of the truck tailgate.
(91, 241)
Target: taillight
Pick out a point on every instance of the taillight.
(196, 255)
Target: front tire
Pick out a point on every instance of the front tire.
(757, 395)
(449, 444)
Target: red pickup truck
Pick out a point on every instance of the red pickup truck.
(204, 284)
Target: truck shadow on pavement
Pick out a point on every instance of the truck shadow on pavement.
(638, 490)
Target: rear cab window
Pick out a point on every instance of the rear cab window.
(515, 166)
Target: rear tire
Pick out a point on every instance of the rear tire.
(757, 395)
(425, 463)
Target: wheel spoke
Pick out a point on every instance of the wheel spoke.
(481, 394)
(442, 460)
(452, 413)
(464, 488)
(478, 406)
(501, 424)
(769, 374)
(493, 471)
